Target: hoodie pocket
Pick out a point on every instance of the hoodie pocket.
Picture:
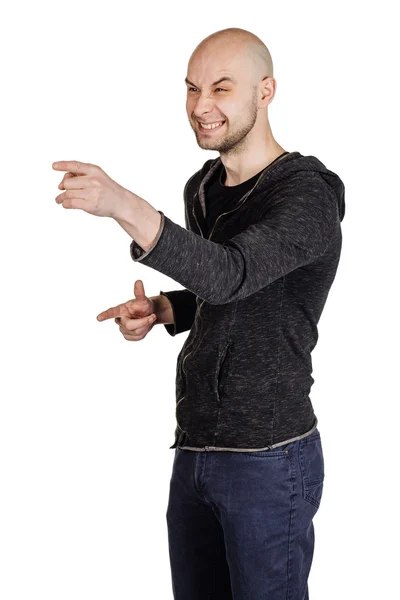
(222, 373)
(177, 416)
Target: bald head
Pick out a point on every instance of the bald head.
(230, 82)
(240, 43)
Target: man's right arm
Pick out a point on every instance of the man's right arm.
(175, 310)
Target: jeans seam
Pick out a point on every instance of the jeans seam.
(291, 520)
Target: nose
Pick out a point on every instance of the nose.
(204, 106)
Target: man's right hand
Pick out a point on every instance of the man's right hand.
(133, 316)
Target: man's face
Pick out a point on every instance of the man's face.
(210, 100)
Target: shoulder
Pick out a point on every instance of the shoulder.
(303, 186)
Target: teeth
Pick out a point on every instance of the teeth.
(212, 126)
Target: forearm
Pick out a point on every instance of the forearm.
(140, 220)
(163, 310)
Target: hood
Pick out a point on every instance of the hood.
(311, 163)
(285, 167)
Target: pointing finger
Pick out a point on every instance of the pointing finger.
(110, 313)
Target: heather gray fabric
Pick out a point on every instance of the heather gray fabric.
(219, 199)
(256, 288)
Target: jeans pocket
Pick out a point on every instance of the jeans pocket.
(312, 468)
(279, 451)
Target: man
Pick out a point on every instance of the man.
(257, 258)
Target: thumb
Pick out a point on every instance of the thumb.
(138, 290)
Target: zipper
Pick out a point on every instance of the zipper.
(184, 358)
(224, 359)
(212, 230)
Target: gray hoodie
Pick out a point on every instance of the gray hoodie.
(254, 291)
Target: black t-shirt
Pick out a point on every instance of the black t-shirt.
(221, 198)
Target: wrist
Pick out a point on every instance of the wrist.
(139, 219)
(162, 309)
(127, 207)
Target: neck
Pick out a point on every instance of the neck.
(238, 171)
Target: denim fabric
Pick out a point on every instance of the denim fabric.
(240, 524)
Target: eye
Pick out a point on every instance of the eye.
(193, 88)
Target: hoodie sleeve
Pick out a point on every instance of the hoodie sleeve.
(184, 307)
(183, 302)
(294, 231)
(137, 252)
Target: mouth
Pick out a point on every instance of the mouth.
(209, 130)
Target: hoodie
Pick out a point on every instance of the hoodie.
(254, 290)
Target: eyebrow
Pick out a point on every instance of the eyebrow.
(225, 78)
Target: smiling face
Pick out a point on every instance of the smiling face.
(220, 87)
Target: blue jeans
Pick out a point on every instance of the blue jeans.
(240, 523)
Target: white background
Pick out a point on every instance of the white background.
(87, 417)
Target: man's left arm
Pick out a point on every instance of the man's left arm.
(294, 231)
